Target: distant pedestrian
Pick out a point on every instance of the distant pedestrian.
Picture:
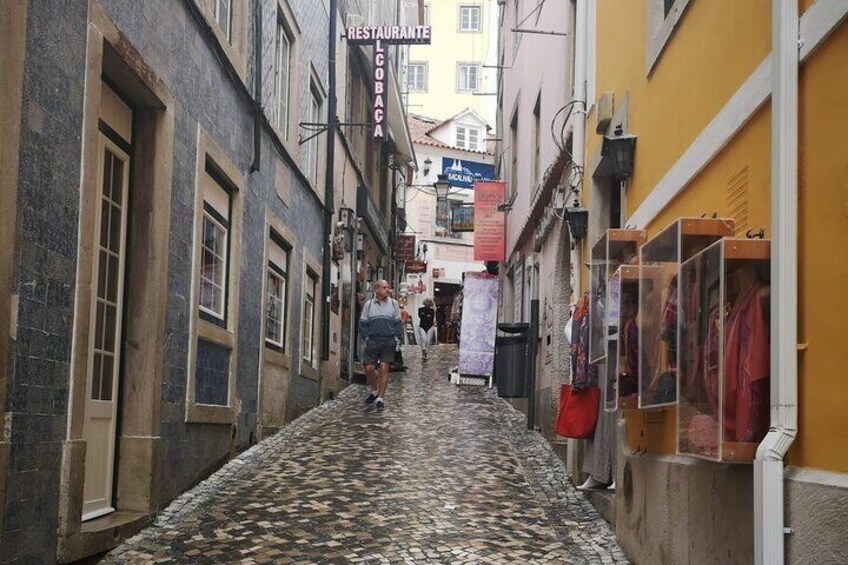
(379, 325)
(426, 326)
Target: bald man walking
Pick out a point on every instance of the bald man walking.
(379, 325)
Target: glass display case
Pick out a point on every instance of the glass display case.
(723, 409)
(623, 340)
(615, 248)
(659, 264)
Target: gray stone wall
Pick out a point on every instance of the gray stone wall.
(45, 251)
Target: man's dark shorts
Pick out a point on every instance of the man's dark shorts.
(379, 349)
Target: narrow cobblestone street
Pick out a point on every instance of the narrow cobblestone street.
(446, 474)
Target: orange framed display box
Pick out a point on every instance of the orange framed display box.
(621, 374)
(659, 265)
(614, 248)
(724, 377)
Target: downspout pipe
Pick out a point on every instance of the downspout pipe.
(578, 145)
(329, 205)
(257, 87)
(769, 517)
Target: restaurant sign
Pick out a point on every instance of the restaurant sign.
(462, 173)
(379, 37)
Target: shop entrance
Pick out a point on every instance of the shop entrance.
(444, 295)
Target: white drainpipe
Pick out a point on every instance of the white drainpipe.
(769, 527)
(578, 145)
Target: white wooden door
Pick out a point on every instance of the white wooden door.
(101, 410)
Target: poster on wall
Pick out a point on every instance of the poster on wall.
(489, 223)
(462, 218)
(479, 321)
(415, 283)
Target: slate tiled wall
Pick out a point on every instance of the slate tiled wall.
(170, 42)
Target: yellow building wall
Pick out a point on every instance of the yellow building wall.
(448, 47)
(707, 59)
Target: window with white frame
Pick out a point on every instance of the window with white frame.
(282, 78)
(314, 116)
(309, 316)
(224, 17)
(469, 18)
(275, 292)
(469, 77)
(468, 137)
(214, 246)
(416, 77)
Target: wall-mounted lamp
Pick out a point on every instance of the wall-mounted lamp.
(578, 222)
(360, 244)
(427, 164)
(442, 187)
(346, 217)
(619, 148)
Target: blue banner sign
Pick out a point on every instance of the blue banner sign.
(462, 173)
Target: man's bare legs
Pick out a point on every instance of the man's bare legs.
(383, 380)
(373, 383)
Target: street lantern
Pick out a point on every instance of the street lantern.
(346, 218)
(442, 187)
(578, 221)
(427, 163)
(619, 149)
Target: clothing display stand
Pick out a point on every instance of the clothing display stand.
(724, 376)
(614, 248)
(621, 387)
(659, 269)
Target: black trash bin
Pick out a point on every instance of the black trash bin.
(511, 361)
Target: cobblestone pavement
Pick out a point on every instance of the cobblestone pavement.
(446, 474)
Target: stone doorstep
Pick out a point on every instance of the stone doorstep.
(604, 503)
(101, 534)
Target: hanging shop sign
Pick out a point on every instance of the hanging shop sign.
(366, 208)
(462, 173)
(489, 222)
(378, 37)
(416, 267)
(405, 248)
(462, 218)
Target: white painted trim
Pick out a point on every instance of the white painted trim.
(821, 19)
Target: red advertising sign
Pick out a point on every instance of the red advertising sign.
(405, 248)
(489, 223)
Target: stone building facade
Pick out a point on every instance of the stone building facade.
(536, 114)
(162, 260)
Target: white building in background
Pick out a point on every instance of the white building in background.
(458, 148)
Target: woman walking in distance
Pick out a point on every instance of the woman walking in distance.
(379, 325)
(426, 326)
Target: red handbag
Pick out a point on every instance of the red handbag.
(578, 412)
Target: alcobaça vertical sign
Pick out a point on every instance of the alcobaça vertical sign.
(379, 37)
